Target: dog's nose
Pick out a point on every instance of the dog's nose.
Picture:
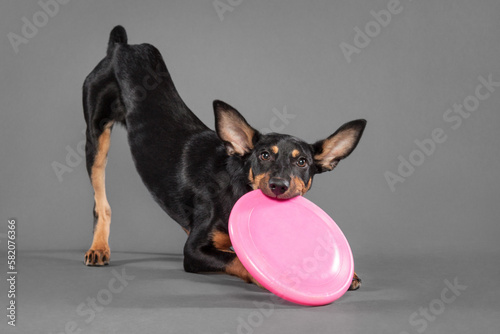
(278, 185)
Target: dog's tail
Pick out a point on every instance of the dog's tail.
(117, 35)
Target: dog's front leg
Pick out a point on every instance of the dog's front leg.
(212, 254)
(236, 268)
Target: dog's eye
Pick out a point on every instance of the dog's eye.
(302, 162)
(265, 156)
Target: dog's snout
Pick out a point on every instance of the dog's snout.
(278, 185)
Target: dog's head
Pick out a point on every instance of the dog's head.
(282, 166)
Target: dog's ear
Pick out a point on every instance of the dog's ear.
(328, 152)
(233, 129)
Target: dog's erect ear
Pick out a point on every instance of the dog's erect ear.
(328, 152)
(233, 129)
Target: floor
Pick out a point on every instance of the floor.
(150, 293)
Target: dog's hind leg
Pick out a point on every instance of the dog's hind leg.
(99, 252)
(102, 107)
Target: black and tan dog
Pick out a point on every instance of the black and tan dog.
(194, 173)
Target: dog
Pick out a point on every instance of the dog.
(194, 173)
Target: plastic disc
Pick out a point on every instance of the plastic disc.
(292, 247)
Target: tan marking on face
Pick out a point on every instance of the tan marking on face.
(102, 209)
(309, 183)
(186, 230)
(298, 187)
(295, 153)
(261, 182)
(274, 149)
(221, 241)
(250, 176)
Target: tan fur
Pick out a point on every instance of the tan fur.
(236, 132)
(100, 247)
(237, 269)
(260, 181)
(308, 186)
(250, 176)
(335, 147)
(295, 153)
(275, 149)
(221, 241)
(298, 186)
(356, 282)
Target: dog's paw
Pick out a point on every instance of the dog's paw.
(251, 279)
(237, 269)
(97, 257)
(247, 277)
(356, 283)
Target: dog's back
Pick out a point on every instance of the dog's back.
(132, 86)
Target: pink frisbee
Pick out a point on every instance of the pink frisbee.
(292, 247)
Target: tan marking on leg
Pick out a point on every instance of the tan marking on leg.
(356, 282)
(274, 149)
(99, 252)
(237, 269)
(221, 241)
(295, 153)
(186, 230)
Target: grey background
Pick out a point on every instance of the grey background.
(265, 55)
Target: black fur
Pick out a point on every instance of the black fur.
(194, 173)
